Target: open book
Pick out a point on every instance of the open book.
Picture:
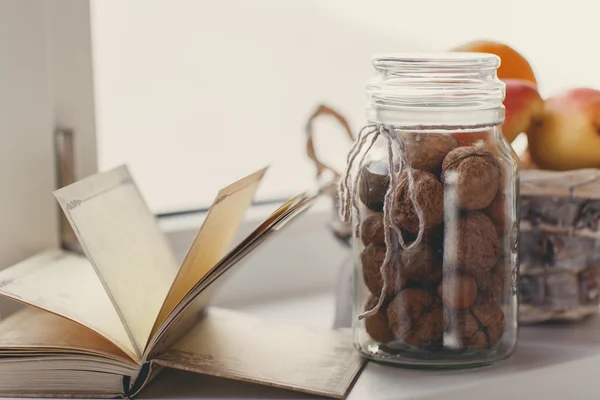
(105, 324)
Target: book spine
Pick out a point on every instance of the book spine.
(131, 389)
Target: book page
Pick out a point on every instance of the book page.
(123, 242)
(65, 283)
(213, 239)
(236, 346)
(33, 330)
(186, 312)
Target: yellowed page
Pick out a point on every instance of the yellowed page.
(122, 240)
(185, 315)
(212, 241)
(65, 283)
(237, 346)
(30, 329)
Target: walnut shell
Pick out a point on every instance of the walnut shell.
(491, 284)
(416, 317)
(480, 327)
(421, 265)
(472, 176)
(372, 258)
(429, 195)
(372, 229)
(373, 185)
(497, 214)
(457, 290)
(477, 244)
(426, 151)
(377, 325)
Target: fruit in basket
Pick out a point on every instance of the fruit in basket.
(513, 65)
(524, 108)
(569, 135)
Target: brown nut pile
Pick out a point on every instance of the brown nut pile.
(497, 214)
(454, 281)
(493, 283)
(416, 317)
(421, 266)
(477, 245)
(429, 195)
(472, 175)
(373, 185)
(458, 290)
(372, 258)
(377, 326)
(479, 327)
(372, 229)
(426, 151)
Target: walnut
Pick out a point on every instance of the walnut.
(426, 151)
(372, 229)
(416, 317)
(429, 195)
(457, 290)
(479, 327)
(372, 258)
(491, 284)
(377, 325)
(472, 176)
(421, 265)
(497, 214)
(477, 246)
(373, 184)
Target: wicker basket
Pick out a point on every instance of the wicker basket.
(559, 245)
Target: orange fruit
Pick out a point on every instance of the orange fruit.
(513, 65)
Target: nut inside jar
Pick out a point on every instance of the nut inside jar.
(448, 291)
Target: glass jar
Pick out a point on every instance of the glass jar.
(435, 240)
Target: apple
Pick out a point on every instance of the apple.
(568, 136)
(524, 107)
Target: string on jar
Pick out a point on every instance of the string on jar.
(347, 193)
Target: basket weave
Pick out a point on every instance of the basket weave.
(559, 245)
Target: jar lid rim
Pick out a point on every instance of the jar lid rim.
(437, 59)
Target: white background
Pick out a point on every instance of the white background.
(196, 93)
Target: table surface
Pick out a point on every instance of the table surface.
(552, 361)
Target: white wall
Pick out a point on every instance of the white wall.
(70, 53)
(195, 93)
(46, 82)
(29, 214)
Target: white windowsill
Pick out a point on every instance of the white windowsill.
(292, 279)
